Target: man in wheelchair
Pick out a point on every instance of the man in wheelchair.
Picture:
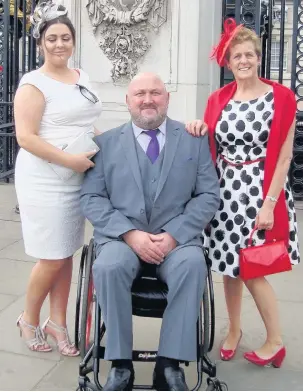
(152, 191)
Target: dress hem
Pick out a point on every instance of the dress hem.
(53, 257)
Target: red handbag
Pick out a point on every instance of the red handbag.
(267, 259)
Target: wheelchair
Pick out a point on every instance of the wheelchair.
(148, 300)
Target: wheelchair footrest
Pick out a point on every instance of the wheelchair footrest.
(144, 356)
(138, 356)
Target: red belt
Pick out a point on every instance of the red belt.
(241, 163)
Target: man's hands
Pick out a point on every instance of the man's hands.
(149, 247)
(165, 242)
(143, 246)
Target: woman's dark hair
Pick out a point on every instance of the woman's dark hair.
(63, 19)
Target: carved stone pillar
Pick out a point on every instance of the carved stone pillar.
(74, 13)
(116, 39)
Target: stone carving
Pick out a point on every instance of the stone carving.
(121, 26)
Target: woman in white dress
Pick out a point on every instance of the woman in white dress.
(53, 106)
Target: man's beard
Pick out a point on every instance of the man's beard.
(149, 123)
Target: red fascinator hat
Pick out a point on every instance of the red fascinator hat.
(230, 29)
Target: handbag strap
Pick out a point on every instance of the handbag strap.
(251, 236)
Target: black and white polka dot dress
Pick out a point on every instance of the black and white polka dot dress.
(242, 134)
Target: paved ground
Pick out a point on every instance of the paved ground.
(21, 369)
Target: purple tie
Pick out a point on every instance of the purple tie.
(153, 148)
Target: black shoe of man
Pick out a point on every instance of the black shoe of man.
(169, 377)
(120, 378)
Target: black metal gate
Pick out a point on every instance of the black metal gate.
(17, 56)
(279, 23)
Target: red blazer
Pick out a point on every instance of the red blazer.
(284, 114)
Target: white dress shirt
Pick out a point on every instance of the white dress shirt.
(143, 139)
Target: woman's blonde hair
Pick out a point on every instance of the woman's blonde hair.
(244, 35)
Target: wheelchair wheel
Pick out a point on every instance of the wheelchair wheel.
(87, 303)
(212, 311)
(79, 296)
(206, 321)
(85, 300)
(209, 306)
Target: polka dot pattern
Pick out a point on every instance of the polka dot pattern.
(242, 134)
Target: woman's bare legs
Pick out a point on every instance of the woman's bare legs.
(42, 278)
(59, 293)
(233, 288)
(266, 302)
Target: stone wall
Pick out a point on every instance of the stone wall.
(179, 53)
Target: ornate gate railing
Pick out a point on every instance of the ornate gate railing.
(297, 86)
(17, 55)
(274, 21)
(270, 18)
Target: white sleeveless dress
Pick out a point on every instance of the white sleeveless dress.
(52, 223)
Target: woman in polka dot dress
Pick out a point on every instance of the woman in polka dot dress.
(251, 126)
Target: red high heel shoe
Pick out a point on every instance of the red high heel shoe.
(276, 360)
(227, 355)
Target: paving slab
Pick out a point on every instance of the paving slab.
(288, 286)
(243, 376)
(15, 251)
(10, 230)
(18, 373)
(61, 377)
(6, 300)
(4, 242)
(8, 201)
(14, 275)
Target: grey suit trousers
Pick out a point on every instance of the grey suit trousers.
(184, 271)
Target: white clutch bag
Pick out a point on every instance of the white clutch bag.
(83, 143)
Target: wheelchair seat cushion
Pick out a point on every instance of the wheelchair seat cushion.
(149, 297)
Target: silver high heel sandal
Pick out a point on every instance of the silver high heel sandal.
(38, 342)
(65, 346)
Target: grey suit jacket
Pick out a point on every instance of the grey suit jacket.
(187, 197)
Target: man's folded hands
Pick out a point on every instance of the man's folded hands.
(151, 248)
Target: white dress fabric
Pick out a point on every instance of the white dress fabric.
(242, 133)
(52, 223)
